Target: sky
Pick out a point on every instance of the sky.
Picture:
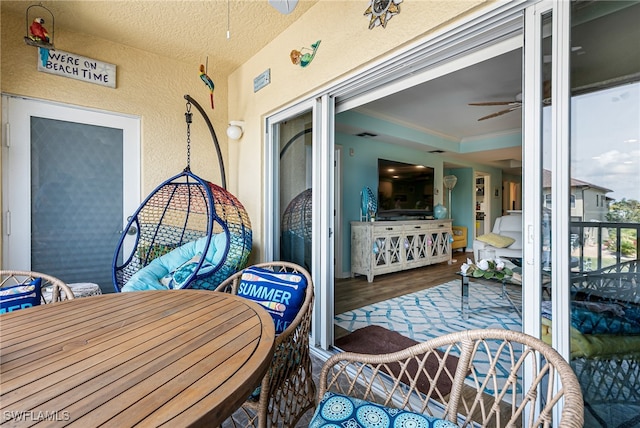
(605, 139)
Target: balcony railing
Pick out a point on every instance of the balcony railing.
(600, 244)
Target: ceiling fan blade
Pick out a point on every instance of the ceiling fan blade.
(500, 113)
(497, 103)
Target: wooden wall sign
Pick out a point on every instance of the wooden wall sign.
(78, 67)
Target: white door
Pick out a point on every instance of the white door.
(70, 177)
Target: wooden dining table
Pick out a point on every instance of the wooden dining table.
(173, 358)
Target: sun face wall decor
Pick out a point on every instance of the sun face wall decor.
(382, 11)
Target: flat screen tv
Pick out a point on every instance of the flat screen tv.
(404, 190)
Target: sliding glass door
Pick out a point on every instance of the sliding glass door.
(295, 208)
(582, 211)
(604, 206)
(298, 207)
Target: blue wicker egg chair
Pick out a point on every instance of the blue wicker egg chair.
(184, 213)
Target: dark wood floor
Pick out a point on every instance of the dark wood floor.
(353, 293)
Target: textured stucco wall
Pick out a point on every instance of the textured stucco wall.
(148, 86)
(152, 87)
(347, 46)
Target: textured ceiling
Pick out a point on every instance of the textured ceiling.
(188, 31)
(192, 30)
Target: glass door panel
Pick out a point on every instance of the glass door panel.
(604, 206)
(295, 189)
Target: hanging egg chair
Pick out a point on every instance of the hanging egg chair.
(295, 235)
(188, 233)
(296, 230)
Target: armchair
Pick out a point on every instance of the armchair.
(287, 391)
(12, 297)
(459, 238)
(476, 398)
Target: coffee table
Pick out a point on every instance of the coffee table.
(464, 293)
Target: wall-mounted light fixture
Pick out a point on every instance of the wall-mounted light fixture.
(235, 129)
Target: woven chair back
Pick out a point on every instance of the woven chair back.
(287, 391)
(500, 378)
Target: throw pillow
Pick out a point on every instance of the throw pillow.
(337, 410)
(496, 240)
(179, 277)
(281, 293)
(159, 274)
(21, 296)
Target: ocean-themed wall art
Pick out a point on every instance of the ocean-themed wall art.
(304, 59)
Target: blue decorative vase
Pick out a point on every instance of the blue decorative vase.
(439, 212)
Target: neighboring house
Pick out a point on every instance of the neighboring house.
(589, 202)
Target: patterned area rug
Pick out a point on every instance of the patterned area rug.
(375, 340)
(436, 311)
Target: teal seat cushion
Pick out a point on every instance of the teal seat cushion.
(605, 317)
(339, 411)
(174, 269)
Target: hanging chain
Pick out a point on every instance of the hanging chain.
(188, 117)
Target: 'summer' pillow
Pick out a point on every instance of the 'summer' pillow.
(337, 410)
(496, 240)
(21, 296)
(281, 293)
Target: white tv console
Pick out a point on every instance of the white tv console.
(391, 246)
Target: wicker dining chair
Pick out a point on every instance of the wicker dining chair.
(287, 391)
(484, 386)
(59, 290)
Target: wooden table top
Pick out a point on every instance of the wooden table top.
(175, 358)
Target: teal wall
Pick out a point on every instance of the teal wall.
(360, 168)
(462, 196)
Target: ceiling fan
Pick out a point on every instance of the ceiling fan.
(511, 106)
